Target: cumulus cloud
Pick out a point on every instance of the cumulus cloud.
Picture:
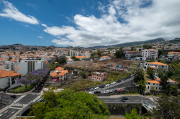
(12, 12)
(123, 21)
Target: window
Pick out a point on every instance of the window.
(153, 83)
(149, 83)
(156, 87)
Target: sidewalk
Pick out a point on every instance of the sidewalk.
(19, 93)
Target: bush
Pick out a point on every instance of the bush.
(148, 93)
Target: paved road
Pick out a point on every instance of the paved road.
(18, 104)
(8, 113)
(131, 100)
(122, 84)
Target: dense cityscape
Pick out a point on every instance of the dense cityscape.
(93, 71)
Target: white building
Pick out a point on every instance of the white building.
(155, 84)
(104, 58)
(150, 53)
(69, 61)
(71, 52)
(8, 79)
(30, 64)
(157, 65)
(131, 54)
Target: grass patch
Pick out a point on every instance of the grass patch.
(115, 76)
(146, 76)
(23, 88)
(82, 84)
(134, 65)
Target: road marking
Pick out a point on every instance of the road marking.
(136, 100)
(0, 115)
(106, 100)
(116, 100)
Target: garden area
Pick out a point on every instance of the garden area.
(31, 80)
(80, 84)
(115, 76)
(23, 88)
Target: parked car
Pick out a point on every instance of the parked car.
(119, 89)
(102, 86)
(113, 83)
(96, 88)
(13, 96)
(90, 92)
(41, 100)
(118, 81)
(91, 89)
(107, 85)
(114, 90)
(96, 92)
(106, 91)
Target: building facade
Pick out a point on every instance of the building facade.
(150, 53)
(30, 64)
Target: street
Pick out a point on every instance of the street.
(131, 99)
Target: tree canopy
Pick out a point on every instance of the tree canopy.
(167, 108)
(120, 53)
(69, 104)
(150, 72)
(138, 75)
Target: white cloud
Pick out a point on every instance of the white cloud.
(12, 12)
(44, 25)
(40, 37)
(123, 21)
(34, 6)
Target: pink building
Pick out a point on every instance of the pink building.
(98, 76)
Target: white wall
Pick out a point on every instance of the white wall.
(4, 82)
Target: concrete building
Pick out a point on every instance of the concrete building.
(104, 58)
(174, 56)
(59, 74)
(98, 76)
(157, 65)
(155, 84)
(131, 54)
(71, 52)
(150, 53)
(30, 64)
(8, 79)
(69, 61)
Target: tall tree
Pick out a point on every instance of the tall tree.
(164, 82)
(150, 72)
(138, 75)
(167, 108)
(142, 85)
(120, 53)
(160, 52)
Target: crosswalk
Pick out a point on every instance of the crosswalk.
(19, 98)
(17, 105)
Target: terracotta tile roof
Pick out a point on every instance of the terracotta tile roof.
(8, 74)
(157, 63)
(153, 81)
(59, 68)
(60, 73)
(80, 56)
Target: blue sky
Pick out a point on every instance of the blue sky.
(87, 23)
